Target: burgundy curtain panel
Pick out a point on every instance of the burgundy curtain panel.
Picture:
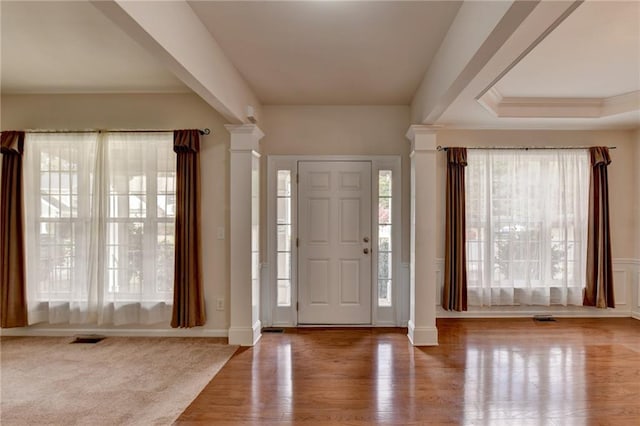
(454, 296)
(188, 294)
(13, 300)
(598, 291)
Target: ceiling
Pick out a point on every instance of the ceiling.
(71, 47)
(336, 53)
(330, 52)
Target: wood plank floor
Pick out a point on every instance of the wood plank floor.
(493, 372)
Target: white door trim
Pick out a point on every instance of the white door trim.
(286, 316)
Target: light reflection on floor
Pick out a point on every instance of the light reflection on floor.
(509, 383)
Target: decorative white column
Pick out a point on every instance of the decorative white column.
(424, 210)
(244, 234)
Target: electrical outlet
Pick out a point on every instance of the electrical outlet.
(220, 305)
(220, 234)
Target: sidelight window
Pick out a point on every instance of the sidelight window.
(385, 225)
(284, 231)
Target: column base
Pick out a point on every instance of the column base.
(245, 336)
(422, 336)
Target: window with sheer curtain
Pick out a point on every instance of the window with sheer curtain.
(526, 221)
(100, 213)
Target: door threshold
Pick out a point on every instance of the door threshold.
(335, 325)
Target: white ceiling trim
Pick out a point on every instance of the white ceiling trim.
(525, 29)
(524, 107)
(469, 44)
(174, 34)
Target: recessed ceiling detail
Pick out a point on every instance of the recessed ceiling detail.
(593, 53)
(586, 68)
(525, 107)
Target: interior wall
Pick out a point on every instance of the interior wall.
(150, 111)
(337, 130)
(622, 172)
(635, 141)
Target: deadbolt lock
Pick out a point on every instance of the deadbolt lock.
(365, 239)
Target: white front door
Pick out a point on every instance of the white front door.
(334, 246)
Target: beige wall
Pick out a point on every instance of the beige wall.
(313, 130)
(622, 172)
(338, 130)
(635, 141)
(140, 111)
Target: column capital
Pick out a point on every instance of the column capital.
(423, 137)
(244, 137)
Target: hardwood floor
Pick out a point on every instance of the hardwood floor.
(489, 371)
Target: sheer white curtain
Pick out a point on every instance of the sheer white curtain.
(139, 228)
(59, 185)
(100, 213)
(526, 215)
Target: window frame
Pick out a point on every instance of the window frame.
(546, 226)
(149, 293)
(81, 219)
(150, 221)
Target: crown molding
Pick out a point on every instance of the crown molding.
(542, 107)
(244, 137)
(422, 129)
(245, 129)
(622, 103)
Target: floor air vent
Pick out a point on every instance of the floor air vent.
(272, 330)
(88, 338)
(544, 318)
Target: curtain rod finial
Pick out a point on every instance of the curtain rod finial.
(205, 131)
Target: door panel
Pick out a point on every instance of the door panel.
(319, 209)
(318, 273)
(334, 216)
(349, 282)
(349, 217)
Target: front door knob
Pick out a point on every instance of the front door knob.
(366, 251)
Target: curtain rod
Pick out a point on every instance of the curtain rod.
(524, 148)
(204, 131)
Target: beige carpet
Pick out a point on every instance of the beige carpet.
(118, 381)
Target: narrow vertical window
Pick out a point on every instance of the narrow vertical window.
(284, 237)
(385, 224)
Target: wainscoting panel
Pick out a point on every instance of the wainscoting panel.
(403, 295)
(633, 266)
(626, 280)
(266, 317)
(620, 286)
(439, 280)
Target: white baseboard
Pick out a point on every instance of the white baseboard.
(506, 312)
(160, 332)
(245, 336)
(422, 336)
(381, 324)
(385, 324)
(635, 315)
